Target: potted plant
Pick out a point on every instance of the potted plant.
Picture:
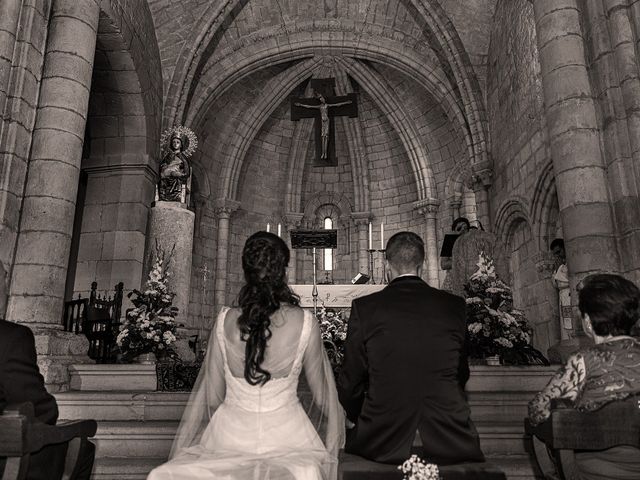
(149, 330)
(497, 332)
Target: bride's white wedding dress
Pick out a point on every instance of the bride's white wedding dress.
(234, 430)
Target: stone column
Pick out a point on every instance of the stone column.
(580, 175)
(223, 211)
(44, 239)
(429, 208)
(481, 181)
(9, 16)
(171, 227)
(42, 252)
(361, 220)
(455, 203)
(292, 222)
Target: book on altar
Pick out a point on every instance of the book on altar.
(360, 278)
(447, 244)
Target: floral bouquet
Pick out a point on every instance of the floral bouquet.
(494, 326)
(417, 469)
(150, 326)
(333, 329)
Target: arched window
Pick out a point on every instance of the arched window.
(328, 253)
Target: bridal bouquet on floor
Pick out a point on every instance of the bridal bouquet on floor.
(150, 326)
(494, 326)
(333, 329)
(417, 469)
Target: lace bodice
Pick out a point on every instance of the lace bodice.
(277, 392)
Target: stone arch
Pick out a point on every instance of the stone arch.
(508, 217)
(545, 211)
(128, 27)
(275, 49)
(279, 88)
(452, 51)
(415, 150)
(312, 204)
(122, 140)
(339, 205)
(457, 190)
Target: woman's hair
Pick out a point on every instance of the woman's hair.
(611, 301)
(264, 260)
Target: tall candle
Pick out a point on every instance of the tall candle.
(268, 227)
(370, 237)
(381, 236)
(279, 230)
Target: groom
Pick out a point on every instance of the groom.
(405, 368)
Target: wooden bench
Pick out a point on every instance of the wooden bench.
(353, 467)
(21, 434)
(567, 429)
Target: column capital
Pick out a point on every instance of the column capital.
(224, 207)
(481, 179)
(361, 218)
(455, 202)
(293, 219)
(545, 264)
(427, 207)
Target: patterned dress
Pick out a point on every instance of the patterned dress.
(590, 379)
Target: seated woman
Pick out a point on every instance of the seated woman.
(244, 419)
(605, 372)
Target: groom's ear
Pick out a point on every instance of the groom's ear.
(420, 270)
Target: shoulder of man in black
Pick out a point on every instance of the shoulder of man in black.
(20, 378)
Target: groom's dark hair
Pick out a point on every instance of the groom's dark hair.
(405, 250)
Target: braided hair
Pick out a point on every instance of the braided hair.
(264, 260)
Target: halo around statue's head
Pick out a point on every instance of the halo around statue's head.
(186, 136)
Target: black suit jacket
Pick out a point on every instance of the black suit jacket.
(404, 371)
(20, 381)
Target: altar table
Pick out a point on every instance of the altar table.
(338, 296)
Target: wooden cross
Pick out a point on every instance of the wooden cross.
(323, 106)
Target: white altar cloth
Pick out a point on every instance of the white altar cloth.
(338, 296)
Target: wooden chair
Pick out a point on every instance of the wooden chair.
(554, 441)
(98, 318)
(21, 434)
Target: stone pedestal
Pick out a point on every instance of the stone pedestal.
(170, 223)
(57, 350)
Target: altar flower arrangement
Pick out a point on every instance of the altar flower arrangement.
(417, 469)
(333, 329)
(150, 326)
(494, 326)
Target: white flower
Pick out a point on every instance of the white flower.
(504, 342)
(156, 338)
(474, 327)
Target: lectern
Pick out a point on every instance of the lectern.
(314, 239)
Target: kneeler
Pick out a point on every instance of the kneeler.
(353, 467)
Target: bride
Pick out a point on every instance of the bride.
(248, 416)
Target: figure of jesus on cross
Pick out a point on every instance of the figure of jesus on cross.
(323, 106)
(324, 119)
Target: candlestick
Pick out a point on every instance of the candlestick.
(268, 227)
(384, 267)
(370, 237)
(279, 230)
(371, 279)
(381, 236)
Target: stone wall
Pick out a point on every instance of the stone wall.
(520, 160)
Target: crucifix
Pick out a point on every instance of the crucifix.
(323, 107)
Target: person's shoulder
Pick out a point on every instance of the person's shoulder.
(11, 331)
(448, 297)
